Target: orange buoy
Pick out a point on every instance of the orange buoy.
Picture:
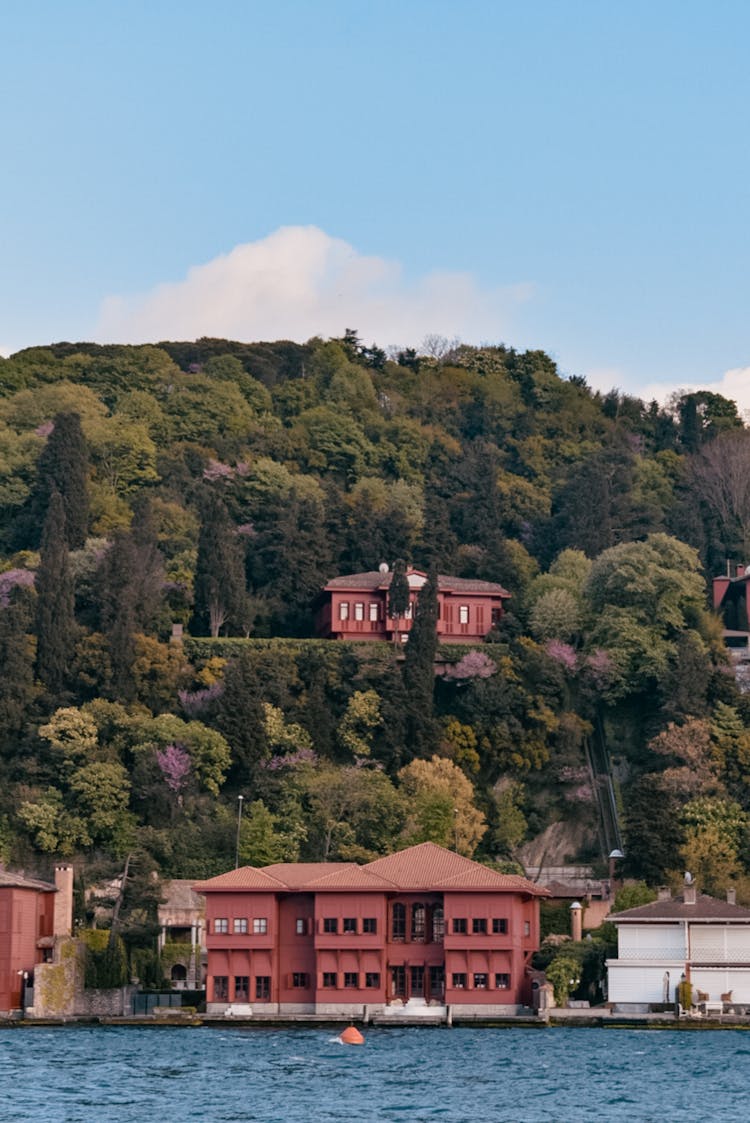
(351, 1036)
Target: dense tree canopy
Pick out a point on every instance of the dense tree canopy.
(216, 486)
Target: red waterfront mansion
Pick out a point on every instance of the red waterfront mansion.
(355, 607)
(423, 925)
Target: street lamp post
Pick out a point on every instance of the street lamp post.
(24, 976)
(240, 798)
(615, 856)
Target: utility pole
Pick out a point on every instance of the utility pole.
(239, 824)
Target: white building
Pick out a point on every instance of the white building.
(696, 936)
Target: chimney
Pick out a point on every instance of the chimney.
(63, 920)
(576, 920)
(740, 571)
(665, 893)
(688, 895)
(731, 895)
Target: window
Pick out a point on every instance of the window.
(398, 922)
(330, 924)
(527, 928)
(240, 925)
(369, 925)
(300, 926)
(459, 925)
(438, 924)
(418, 914)
(221, 988)
(398, 982)
(260, 926)
(344, 610)
(374, 611)
(241, 988)
(351, 979)
(437, 981)
(499, 926)
(459, 980)
(463, 614)
(359, 611)
(300, 979)
(408, 613)
(480, 980)
(221, 925)
(350, 924)
(417, 982)
(263, 988)
(497, 615)
(329, 978)
(502, 981)
(372, 979)
(479, 926)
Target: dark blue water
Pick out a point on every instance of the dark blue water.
(124, 1074)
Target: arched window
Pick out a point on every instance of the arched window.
(178, 975)
(418, 915)
(398, 922)
(438, 924)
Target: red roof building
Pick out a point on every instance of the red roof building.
(423, 926)
(355, 607)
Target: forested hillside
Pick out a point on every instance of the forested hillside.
(219, 485)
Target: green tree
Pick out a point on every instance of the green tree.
(398, 595)
(17, 661)
(261, 841)
(63, 467)
(361, 718)
(241, 719)
(419, 671)
(55, 621)
(355, 813)
(220, 595)
(441, 806)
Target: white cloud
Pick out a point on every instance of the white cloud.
(299, 282)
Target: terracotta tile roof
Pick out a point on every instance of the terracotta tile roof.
(246, 877)
(705, 909)
(446, 583)
(353, 877)
(418, 868)
(298, 875)
(11, 880)
(428, 866)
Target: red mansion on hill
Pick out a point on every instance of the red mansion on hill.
(355, 607)
(423, 925)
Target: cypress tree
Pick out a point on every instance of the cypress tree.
(419, 671)
(131, 578)
(220, 594)
(240, 718)
(55, 619)
(17, 661)
(398, 595)
(63, 466)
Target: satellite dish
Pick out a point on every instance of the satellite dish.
(747, 571)
(383, 567)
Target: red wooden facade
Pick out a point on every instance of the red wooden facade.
(355, 607)
(424, 924)
(27, 913)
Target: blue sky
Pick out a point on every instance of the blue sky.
(570, 176)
